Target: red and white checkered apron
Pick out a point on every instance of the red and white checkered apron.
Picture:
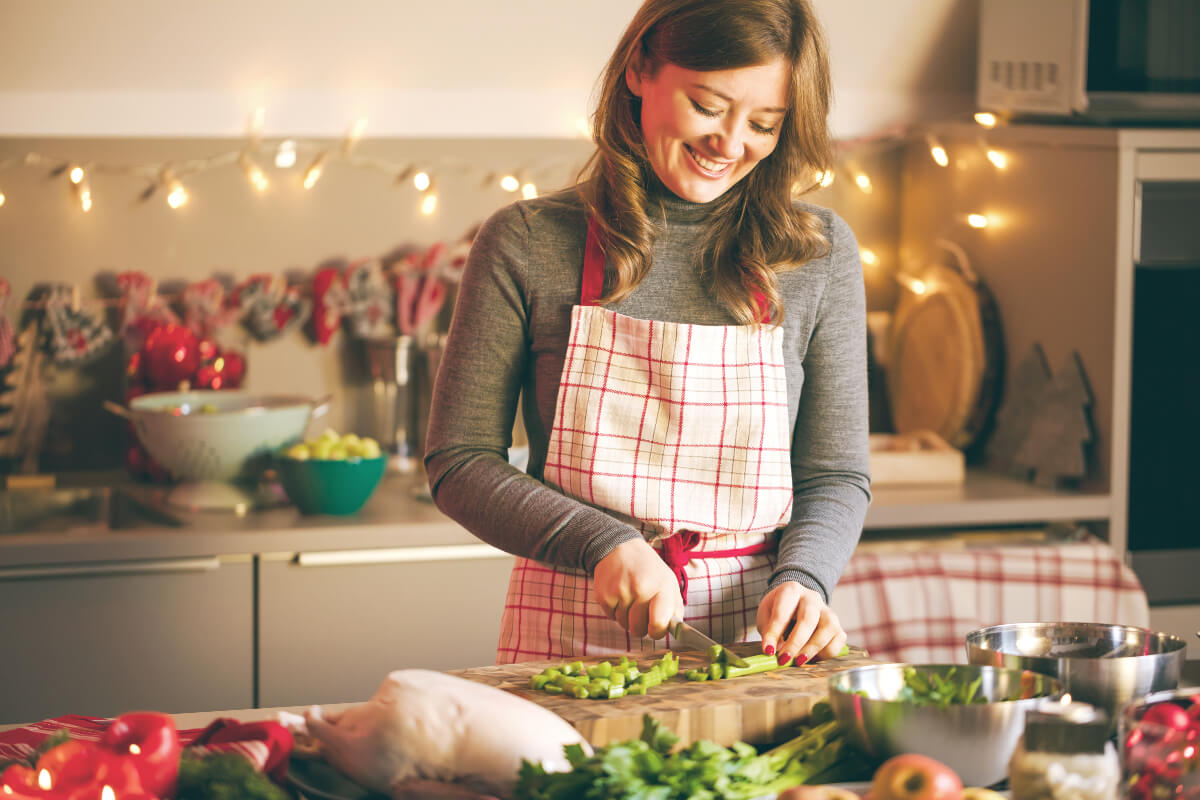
(682, 431)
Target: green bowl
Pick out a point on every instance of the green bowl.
(327, 486)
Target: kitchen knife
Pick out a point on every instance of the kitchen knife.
(687, 635)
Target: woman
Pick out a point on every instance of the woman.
(690, 344)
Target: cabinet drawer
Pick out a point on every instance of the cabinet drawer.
(333, 624)
(101, 638)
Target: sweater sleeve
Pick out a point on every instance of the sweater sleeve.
(479, 381)
(830, 450)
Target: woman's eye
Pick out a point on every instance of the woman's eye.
(765, 131)
(708, 112)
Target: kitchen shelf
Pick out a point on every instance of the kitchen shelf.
(984, 498)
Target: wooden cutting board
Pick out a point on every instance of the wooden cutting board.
(760, 709)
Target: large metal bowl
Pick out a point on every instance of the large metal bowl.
(975, 740)
(1105, 665)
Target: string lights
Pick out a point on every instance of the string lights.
(168, 180)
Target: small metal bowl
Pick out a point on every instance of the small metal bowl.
(975, 740)
(1105, 665)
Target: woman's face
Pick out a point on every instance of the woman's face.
(705, 131)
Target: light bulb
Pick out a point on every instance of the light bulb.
(422, 181)
(428, 203)
(1, 198)
(254, 173)
(863, 182)
(986, 119)
(509, 183)
(824, 177)
(977, 220)
(998, 159)
(177, 196)
(868, 257)
(529, 191)
(939, 155)
(285, 156)
(313, 173)
(76, 175)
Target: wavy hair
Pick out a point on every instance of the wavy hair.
(754, 231)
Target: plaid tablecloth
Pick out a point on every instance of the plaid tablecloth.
(915, 601)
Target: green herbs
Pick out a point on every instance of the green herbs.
(224, 776)
(648, 769)
(604, 681)
(719, 666)
(932, 689)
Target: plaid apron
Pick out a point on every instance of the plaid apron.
(681, 431)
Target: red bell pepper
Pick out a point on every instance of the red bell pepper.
(151, 743)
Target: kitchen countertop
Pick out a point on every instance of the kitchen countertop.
(394, 516)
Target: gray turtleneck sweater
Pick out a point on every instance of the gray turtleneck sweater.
(509, 337)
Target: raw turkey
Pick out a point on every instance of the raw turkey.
(425, 733)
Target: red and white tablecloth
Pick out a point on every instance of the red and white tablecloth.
(916, 600)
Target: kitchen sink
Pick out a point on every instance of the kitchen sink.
(75, 510)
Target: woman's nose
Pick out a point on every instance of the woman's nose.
(728, 143)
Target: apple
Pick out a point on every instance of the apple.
(817, 793)
(912, 776)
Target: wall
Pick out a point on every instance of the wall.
(476, 68)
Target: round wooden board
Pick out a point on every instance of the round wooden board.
(941, 365)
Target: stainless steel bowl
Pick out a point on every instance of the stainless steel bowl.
(975, 740)
(1105, 665)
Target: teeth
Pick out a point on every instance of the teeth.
(711, 166)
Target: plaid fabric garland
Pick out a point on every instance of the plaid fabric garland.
(917, 605)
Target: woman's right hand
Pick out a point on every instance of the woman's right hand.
(635, 587)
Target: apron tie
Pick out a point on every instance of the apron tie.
(678, 551)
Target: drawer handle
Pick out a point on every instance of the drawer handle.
(398, 555)
(112, 568)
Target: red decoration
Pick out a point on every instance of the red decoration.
(147, 740)
(330, 302)
(170, 356)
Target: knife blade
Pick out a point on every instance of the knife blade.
(698, 640)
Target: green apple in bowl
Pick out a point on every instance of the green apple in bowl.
(331, 446)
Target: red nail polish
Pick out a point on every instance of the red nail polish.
(769, 649)
(801, 660)
(784, 658)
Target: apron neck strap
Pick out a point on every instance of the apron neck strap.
(592, 285)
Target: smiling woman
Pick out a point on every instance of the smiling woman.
(688, 343)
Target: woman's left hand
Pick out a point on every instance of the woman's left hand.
(796, 624)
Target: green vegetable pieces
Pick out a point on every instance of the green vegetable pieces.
(224, 776)
(648, 768)
(932, 689)
(604, 681)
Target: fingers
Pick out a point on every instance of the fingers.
(775, 614)
(662, 608)
(807, 617)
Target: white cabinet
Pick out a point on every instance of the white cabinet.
(101, 638)
(332, 624)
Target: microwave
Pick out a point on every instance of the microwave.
(1096, 60)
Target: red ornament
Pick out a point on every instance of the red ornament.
(170, 356)
(234, 369)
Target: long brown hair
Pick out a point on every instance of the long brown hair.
(754, 231)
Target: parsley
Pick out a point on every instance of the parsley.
(650, 768)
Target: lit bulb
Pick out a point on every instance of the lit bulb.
(1, 198)
(428, 203)
(977, 220)
(868, 257)
(509, 183)
(422, 181)
(285, 156)
(863, 182)
(354, 135)
(939, 155)
(76, 175)
(823, 177)
(177, 196)
(254, 173)
(83, 194)
(918, 286)
(998, 159)
(986, 119)
(313, 173)
(529, 191)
